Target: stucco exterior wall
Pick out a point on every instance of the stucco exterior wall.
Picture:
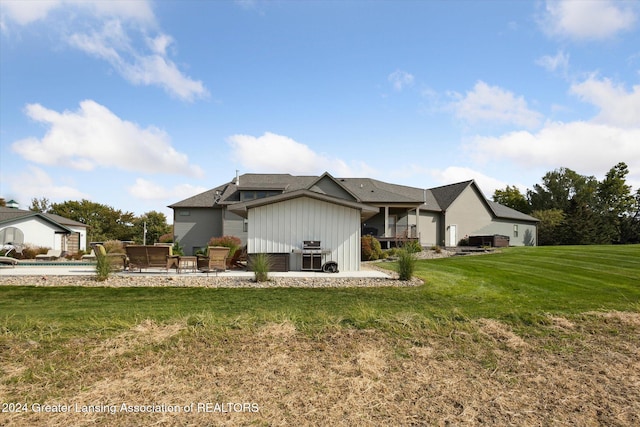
(428, 228)
(469, 214)
(526, 233)
(282, 227)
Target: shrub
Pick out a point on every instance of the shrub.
(260, 264)
(406, 264)
(166, 238)
(370, 248)
(177, 249)
(113, 247)
(231, 242)
(412, 246)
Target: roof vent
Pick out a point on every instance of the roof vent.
(237, 177)
(13, 204)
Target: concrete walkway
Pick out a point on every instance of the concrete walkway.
(89, 270)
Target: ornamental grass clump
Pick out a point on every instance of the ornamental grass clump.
(260, 264)
(406, 264)
(103, 266)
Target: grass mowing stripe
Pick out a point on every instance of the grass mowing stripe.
(520, 283)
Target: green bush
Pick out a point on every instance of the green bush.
(177, 249)
(370, 248)
(406, 264)
(231, 242)
(412, 246)
(260, 264)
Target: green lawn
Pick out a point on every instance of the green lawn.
(519, 285)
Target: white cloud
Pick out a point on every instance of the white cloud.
(493, 104)
(147, 190)
(400, 79)
(587, 148)
(26, 12)
(587, 19)
(617, 106)
(559, 62)
(35, 183)
(122, 41)
(454, 174)
(113, 44)
(271, 153)
(95, 137)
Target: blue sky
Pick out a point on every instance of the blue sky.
(140, 104)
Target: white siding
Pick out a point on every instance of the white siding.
(39, 232)
(282, 227)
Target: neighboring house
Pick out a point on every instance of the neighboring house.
(41, 229)
(276, 213)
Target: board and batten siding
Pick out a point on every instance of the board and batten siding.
(283, 227)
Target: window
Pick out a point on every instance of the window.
(515, 230)
(246, 195)
(184, 213)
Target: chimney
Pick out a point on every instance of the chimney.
(237, 177)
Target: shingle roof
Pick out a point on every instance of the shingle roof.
(502, 211)
(366, 190)
(11, 214)
(366, 210)
(446, 194)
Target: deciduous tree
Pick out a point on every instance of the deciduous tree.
(513, 198)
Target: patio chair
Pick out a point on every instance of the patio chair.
(51, 255)
(117, 260)
(216, 260)
(91, 256)
(8, 260)
(238, 260)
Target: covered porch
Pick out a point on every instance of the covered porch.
(394, 225)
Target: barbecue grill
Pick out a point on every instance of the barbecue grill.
(312, 255)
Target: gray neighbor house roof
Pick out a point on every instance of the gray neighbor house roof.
(12, 214)
(366, 191)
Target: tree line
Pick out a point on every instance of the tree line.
(106, 223)
(576, 209)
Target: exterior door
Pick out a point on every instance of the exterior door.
(453, 235)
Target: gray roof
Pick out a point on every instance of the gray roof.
(12, 214)
(446, 194)
(367, 211)
(502, 211)
(365, 190)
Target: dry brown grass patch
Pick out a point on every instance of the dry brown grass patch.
(346, 377)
